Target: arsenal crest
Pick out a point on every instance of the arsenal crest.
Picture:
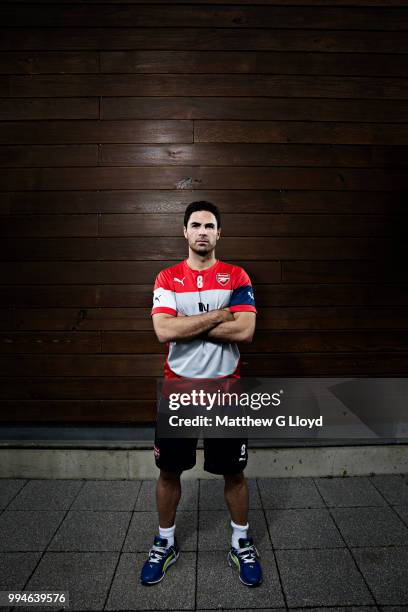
(223, 278)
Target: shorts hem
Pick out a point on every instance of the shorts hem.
(224, 472)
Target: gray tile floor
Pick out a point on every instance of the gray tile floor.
(325, 543)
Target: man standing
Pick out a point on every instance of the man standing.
(202, 307)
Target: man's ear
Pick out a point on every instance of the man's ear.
(218, 233)
(185, 232)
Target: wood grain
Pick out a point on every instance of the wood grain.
(115, 115)
(145, 16)
(212, 39)
(235, 85)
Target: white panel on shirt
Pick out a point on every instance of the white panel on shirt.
(164, 298)
(187, 303)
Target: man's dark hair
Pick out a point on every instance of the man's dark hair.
(202, 205)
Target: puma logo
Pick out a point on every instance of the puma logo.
(178, 280)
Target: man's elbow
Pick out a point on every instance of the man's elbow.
(162, 335)
(246, 336)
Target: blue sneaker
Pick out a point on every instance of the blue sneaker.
(160, 559)
(245, 560)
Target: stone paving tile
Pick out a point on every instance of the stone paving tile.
(112, 495)
(394, 487)
(86, 576)
(15, 569)
(370, 526)
(212, 494)
(144, 526)
(386, 572)
(351, 491)
(23, 530)
(215, 530)
(303, 528)
(175, 592)
(321, 578)
(289, 493)
(91, 531)
(46, 495)
(146, 500)
(218, 585)
(403, 513)
(9, 487)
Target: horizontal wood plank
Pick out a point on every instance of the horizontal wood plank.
(48, 155)
(212, 39)
(246, 108)
(50, 342)
(49, 62)
(197, 16)
(39, 109)
(188, 177)
(76, 132)
(77, 411)
(49, 225)
(238, 85)
(247, 62)
(298, 132)
(175, 201)
(181, 132)
(65, 388)
(340, 271)
(238, 154)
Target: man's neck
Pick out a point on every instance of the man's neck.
(200, 262)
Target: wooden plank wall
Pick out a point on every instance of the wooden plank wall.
(115, 115)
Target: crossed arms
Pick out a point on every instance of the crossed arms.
(218, 325)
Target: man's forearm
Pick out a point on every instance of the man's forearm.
(181, 328)
(230, 331)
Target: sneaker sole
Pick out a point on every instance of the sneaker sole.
(234, 567)
(164, 573)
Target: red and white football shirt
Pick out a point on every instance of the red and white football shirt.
(180, 289)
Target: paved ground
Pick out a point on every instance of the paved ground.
(325, 543)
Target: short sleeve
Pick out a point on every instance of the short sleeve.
(242, 297)
(163, 296)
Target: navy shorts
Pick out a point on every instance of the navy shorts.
(221, 455)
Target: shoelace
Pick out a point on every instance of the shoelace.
(248, 554)
(156, 553)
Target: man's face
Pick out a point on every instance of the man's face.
(201, 232)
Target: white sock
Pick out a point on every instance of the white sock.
(238, 531)
(168, 533)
